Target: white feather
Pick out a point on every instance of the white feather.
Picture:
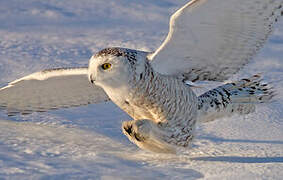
(213, 39)
(50, 89)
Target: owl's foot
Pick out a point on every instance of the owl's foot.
(146, 135)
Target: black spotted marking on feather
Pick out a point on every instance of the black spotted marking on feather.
(197, 78)
(200, 106)
(111, 51)
(152, 74)
(251, 92)
(141, 75)
(217, 103)
(202, 73)
(224, 100)
(214, 101)
(148, 71)
(247, 80)
(188, 140)
(130, 54)
(227, 93)
(218, 92)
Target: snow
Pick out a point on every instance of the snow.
(87, 142)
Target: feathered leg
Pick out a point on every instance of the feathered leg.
(147, 135)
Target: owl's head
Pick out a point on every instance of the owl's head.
(115, 67)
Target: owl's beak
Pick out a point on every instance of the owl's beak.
(91, 79)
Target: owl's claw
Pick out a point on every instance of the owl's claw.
(134, 130)
(145, 134)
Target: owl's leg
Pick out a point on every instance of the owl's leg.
(147, 135)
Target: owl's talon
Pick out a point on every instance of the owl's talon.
(138, 137)
(133, 130)
(128, 129)
(147, 135)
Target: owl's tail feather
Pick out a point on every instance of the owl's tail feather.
(238, 97)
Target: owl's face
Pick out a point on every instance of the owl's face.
(114, 68)
(108, 71)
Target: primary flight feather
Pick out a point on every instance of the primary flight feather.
(207, 40)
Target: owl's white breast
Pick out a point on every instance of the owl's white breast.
(156, 97)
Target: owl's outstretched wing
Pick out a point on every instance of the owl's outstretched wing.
(213, 39)
(50, 89)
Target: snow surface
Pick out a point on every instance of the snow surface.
(87, 142)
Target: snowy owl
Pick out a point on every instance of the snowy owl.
(208, 40)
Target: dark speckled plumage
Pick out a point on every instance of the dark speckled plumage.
(130, 54)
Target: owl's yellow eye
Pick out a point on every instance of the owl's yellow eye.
(106, 66)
